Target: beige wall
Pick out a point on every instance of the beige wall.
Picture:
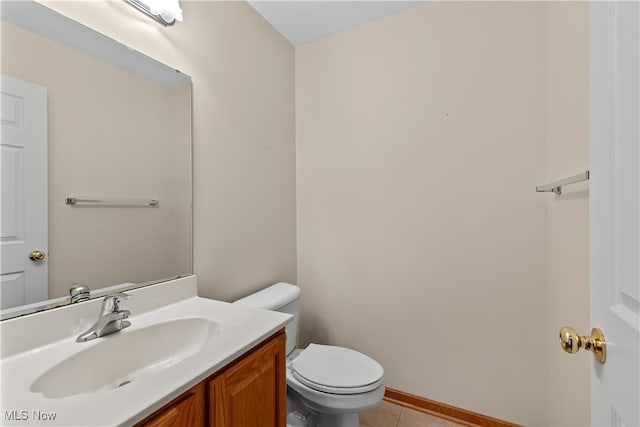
(568, 215)
(421, 241)
(420, 139)
(111, 135)
(243, 133)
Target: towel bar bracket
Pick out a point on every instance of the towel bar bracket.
(556, 187)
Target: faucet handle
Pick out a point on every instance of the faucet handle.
(79, 292)
(112, 302)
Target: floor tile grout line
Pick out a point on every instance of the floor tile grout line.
(399, 416)
(424, 419)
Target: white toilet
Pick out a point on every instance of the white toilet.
(327, 386)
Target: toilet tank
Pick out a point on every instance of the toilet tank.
(282, 297)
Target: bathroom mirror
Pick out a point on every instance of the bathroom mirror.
(115, 200)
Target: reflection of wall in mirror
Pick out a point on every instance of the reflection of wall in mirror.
(111, 133)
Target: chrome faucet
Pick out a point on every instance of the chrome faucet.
(111, 318)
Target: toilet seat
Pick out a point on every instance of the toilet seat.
(336, 370)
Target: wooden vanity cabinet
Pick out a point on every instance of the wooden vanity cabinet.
(186, 410)
(250, 392)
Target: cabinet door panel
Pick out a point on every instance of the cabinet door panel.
(252, 392)
(187, 410)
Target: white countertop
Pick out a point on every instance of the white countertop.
(239, 329)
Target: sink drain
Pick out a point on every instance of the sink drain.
(123, 383)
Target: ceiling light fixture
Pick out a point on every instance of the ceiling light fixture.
(166, 12)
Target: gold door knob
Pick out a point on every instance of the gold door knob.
(37, 255)
(571, 342)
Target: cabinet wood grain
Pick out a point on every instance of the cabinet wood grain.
(186, 410)
(252, 392)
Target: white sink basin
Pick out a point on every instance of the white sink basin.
(126, 356)
(176, 340)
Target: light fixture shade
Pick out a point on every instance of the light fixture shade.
(166, 8)
(164, 11)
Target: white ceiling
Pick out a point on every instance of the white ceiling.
(303, 21)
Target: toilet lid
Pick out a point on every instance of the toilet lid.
(336, 370)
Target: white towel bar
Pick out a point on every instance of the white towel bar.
(556, 187)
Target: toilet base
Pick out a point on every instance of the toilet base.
(298, 418)
(299, 415)
(341, 420)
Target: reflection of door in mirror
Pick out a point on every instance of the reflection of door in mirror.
(24, 193)
(118, 128)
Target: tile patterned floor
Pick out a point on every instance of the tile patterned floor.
(391, 415)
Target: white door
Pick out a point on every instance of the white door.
(24, 192)
(614, 209)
